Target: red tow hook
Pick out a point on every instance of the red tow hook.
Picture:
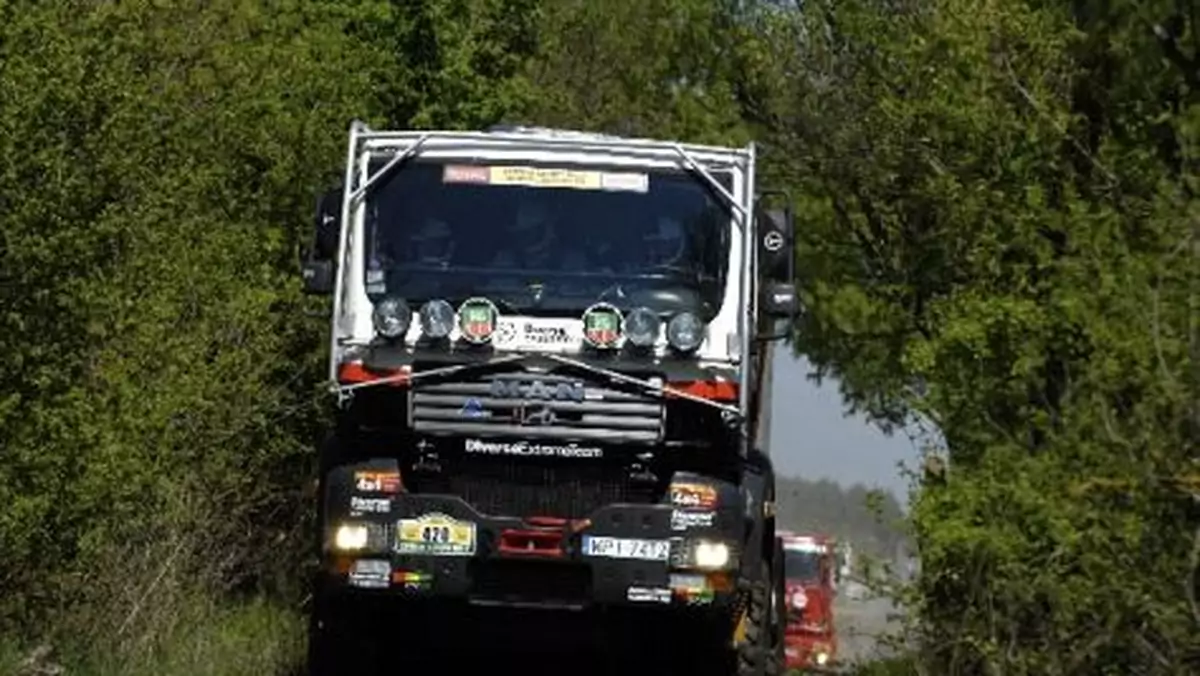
(544, 539)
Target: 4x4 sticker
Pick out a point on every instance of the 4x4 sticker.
(435, 535)
(694, 496)
(377, 482)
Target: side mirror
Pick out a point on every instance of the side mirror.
(780, 301)
(319, 267)
(776, 245)
(327, 224)
(317, 276)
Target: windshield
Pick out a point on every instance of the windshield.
(548, 240)
(801, 565)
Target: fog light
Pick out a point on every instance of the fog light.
(711, 555)
(350, 537)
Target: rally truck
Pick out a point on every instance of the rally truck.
(550, 352)
(811, 572)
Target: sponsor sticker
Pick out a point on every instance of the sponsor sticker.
(626, 548)
(648, 595)
(694, 496)
(547, 335)
(435, 535)
(602, 325)
(377, 482)
(693, 590)
(684, 520)
(547, 177)
(412, 580)
(465, 174)
(525, 448)
(507, 332)
(370, 574)
(370, 505)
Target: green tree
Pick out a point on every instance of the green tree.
(642, 68)
(160, 394)
(993, 234)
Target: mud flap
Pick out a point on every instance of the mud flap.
(739, 631)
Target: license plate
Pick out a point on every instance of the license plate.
(627, 548)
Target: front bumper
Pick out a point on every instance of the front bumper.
(809, 651)
(439, 546)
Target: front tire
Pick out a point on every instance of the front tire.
(344, 634)
(757, 654)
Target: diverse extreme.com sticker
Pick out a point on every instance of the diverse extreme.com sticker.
(525, 448)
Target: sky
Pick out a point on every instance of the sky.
(811, 436)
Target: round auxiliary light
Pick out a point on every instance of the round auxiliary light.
(477, 319)
(685, 332)
(437, 319)
(799, 600)
(641, 327)
(392, 317)
(602, 326)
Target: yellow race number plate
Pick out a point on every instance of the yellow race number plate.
(435, 535)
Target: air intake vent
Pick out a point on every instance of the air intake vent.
(536, 406)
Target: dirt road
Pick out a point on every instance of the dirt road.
(860, 624)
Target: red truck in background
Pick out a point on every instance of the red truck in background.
(811, 571)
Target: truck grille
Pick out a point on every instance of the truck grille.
(536, 406)
(570, 490)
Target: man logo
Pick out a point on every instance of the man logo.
(536, 390)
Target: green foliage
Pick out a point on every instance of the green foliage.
(203, 638)
(638, 67)
(995, 229)
(996, 205)
(160, 397)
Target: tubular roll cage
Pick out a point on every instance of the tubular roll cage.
(698, 159)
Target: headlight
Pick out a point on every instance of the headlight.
(822, 658)
(641, 327)
(685, 332)
(711, 555)
(351, 537)
(437, 319)
(392, 317)
(800, 600)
